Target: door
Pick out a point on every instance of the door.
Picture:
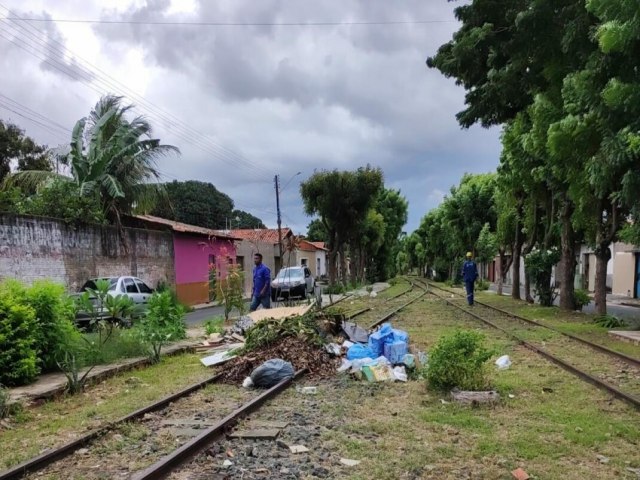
(585, 279)
(132, 291)
(318, 267)
(637, 289)
(144, 289)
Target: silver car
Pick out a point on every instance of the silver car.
(132, 287)
(292, 282)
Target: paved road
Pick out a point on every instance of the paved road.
(631, 314)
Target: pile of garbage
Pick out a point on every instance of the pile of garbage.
(300, 353)
(384, 356)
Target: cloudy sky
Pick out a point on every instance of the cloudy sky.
(261, 93)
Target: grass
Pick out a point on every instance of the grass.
(121, 344)
(59, 421)
(554, 426)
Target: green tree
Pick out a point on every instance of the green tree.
(316, 231)
(113, 157)
(394, 209)
(15, 146)
(486, 246)
(242, 219)
(341, 199)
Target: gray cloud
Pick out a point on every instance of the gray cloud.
(297, 98)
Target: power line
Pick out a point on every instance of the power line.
(89, 76)
(233, 24)
(42, 125)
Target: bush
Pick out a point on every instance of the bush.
(482, 285)
(608, 321)
(55, 327)
(231, 291)
(336, 289)
(18, 357)
(458, 360)
(163, 324)
(4, 402)
(539, 264)
(214, 325)
(581, 298)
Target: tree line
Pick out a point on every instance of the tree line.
(360, 220)
(561, 77)
(108, 170)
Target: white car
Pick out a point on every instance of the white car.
(292, 282)
(132, 287)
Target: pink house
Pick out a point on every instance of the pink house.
(195, 250)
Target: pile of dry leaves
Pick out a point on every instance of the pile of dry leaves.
(294, 349)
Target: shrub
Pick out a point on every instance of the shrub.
(539, 264)
(482, 285)
(336, 289)
(18, 357)
(54, 315)
(4, 402)
(581, 298)
(608, 321)
(231, 291)
(458, 360)
(163, 324)
(214, 325)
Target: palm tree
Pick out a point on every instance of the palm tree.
(111, 157)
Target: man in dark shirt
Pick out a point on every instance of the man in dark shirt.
(469, 276)
(261, 293)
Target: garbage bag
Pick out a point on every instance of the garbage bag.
(503, 362)
(354, 332)
(359, 351)
(398, 336)
(395, 351)
(271, 372)
(379, 338)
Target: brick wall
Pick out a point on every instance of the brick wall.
(33, 248)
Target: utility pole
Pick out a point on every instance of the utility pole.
(276, 180)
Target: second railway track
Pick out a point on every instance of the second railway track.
(612, 371)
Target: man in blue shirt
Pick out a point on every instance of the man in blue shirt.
(261, 293)
(469, 276)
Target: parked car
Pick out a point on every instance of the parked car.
(292, 282)
(132, 287)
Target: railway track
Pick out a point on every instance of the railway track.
(142, 445)
(612, 371)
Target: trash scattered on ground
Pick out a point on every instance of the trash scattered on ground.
(475, 398)
(511, 395)
(602, 459)
(299, 353)
(307, 390)
(272, 372)
(347, 344)
(503, 362)
(333, 349)
(227, 463)
(520, 474)
(217, 358)
(243, 324)
(359, 351)
(400, 374)
(298, 449)
(349, 463)
(355, 333)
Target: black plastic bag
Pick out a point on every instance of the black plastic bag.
(271, 372)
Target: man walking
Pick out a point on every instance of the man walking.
(469, 276)
(261, 293)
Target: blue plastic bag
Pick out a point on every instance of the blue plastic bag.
(395, 351)
(358, 351)
(379, 338)
(400, 336)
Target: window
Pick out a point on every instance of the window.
(240, 262)
(129, 286)
(143, 286)
(303, 262)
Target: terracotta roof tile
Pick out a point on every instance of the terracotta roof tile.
(186, 228)
(267, 235)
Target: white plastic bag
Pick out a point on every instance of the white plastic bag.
(248, 383)
(400, 374)
(346, 365)
(503, 362)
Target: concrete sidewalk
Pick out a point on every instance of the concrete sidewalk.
(52, 384)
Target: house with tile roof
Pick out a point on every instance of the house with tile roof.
(195, 251)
